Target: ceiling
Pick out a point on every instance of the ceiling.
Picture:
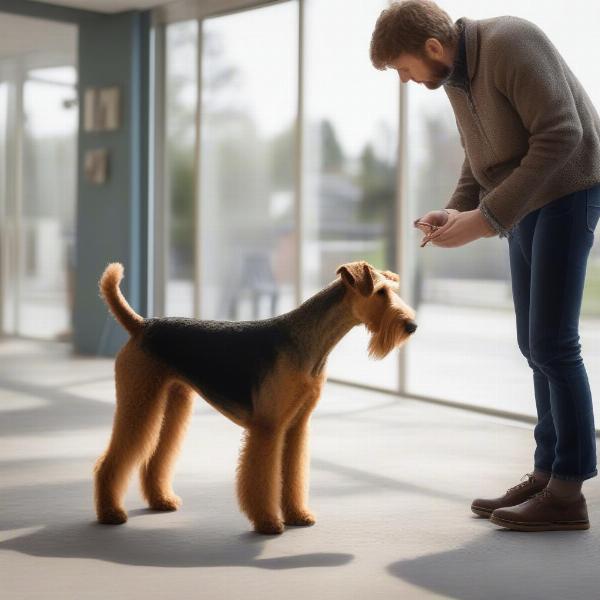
(24, 35)
(108, 6)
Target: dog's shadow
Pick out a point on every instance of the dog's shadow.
(49, 521)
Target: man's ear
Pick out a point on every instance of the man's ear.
(358, 276)
(434, 48)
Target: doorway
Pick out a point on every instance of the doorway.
(38, 158)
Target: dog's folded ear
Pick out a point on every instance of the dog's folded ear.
(391, 275)
(358, 276)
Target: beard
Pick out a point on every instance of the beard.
(438, 73)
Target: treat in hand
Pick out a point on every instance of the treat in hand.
(431, 222)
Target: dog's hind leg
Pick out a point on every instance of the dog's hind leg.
(157, 472)
(141, 385)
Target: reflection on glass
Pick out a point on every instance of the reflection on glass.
(249, 101)
(180, 112)
(47, 219)
(466, 347)
(351, 132)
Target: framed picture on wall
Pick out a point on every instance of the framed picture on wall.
(96, 166)
(102, 109)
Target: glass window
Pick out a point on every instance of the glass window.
(351, 139)
(47, 220)
(180, 139)
(248, 138)
(466, 348)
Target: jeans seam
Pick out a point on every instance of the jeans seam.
(587, 212)
(558, 337)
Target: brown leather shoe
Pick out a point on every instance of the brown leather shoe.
(515, 495)
(544, 512)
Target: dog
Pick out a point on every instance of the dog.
(266, 376)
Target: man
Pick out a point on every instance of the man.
(531, 174)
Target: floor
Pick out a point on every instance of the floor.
(392, 481)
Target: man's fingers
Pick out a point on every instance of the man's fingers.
(450, 239)
(442, 231)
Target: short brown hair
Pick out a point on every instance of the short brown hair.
(405, 27)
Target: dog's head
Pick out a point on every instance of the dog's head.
(374, 300)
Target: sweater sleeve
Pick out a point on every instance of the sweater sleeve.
(531, 74)
(466, 194)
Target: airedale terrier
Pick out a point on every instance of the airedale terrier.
(265, 375)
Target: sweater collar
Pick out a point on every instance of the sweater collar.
(458, 76)
(471, 45)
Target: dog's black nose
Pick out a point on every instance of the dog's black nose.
(411, 326)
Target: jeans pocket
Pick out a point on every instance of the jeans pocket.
(592, 208)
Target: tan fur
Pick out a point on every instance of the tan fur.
(110, 291)
(272, 472)
(383, 317)
(154, 406)
(141, 386)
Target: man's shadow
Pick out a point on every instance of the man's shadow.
(508, 564)
(52, 520)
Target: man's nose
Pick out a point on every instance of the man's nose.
(404, 78)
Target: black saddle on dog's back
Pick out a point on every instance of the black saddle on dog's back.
(225, 361)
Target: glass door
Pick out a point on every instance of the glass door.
(38, 178)
(47, 219)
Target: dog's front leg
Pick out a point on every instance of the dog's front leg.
(259, 478)
(295, 474)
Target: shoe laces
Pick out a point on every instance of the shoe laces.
(543, 495)
(526, 480)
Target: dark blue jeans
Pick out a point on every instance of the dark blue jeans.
(548, 251)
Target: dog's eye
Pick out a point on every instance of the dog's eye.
(382, 291)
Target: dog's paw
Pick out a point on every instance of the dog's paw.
(300, 519)
(112, 516)
(165, 503)
(270, 527)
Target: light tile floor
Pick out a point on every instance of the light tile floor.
(392, 481)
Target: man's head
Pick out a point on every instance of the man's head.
(418, 39)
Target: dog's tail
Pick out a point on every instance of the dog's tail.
(110, 291)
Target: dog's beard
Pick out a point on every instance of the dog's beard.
(390, 334)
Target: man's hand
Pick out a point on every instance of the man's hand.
(432, 221)
(462, 228)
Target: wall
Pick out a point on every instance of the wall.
(112, 218)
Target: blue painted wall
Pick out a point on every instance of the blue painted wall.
(112, 219)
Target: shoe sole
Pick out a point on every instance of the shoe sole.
(548, 526)
(482, 512)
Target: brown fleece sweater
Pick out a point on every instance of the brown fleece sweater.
(529, 130)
